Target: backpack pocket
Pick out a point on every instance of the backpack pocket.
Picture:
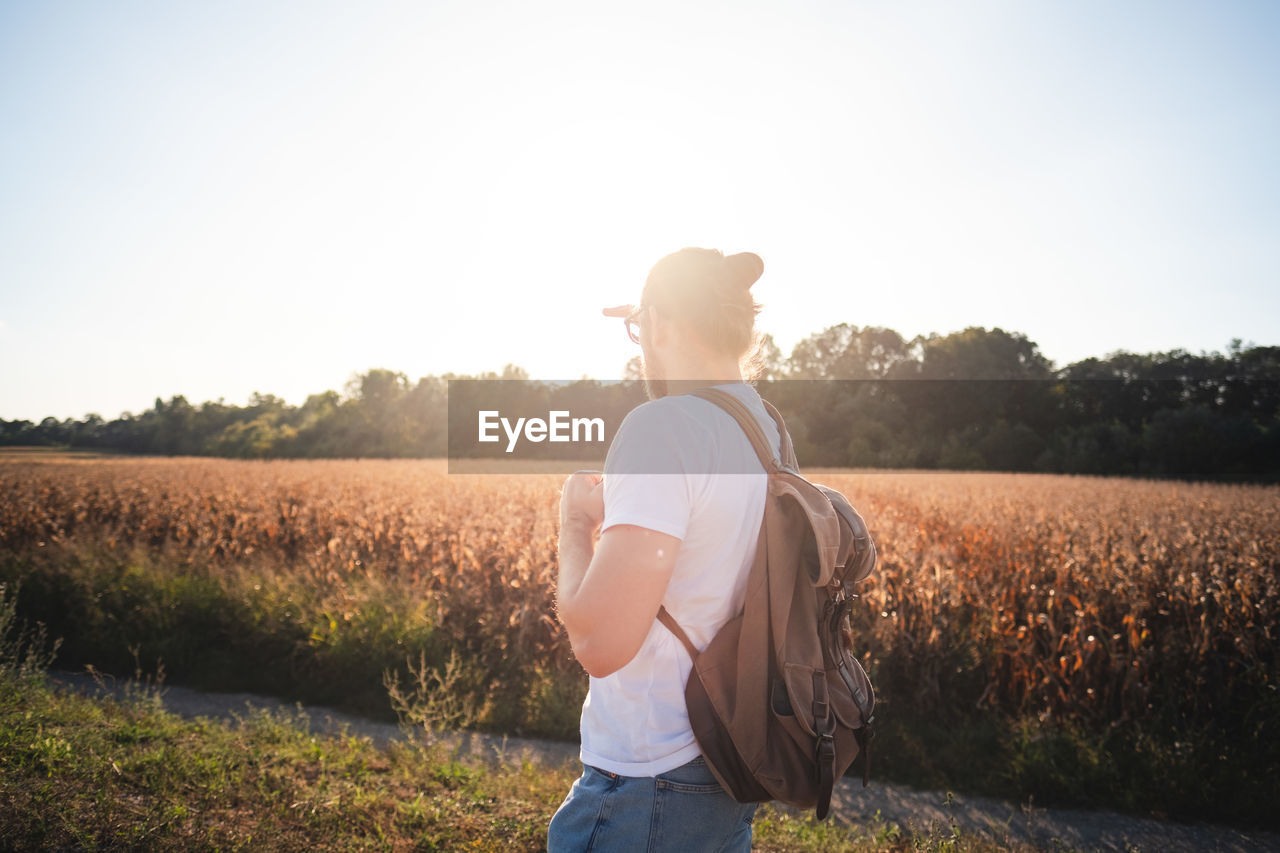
(797, 682)
(852, 698)
(845, 674)
(848, 694)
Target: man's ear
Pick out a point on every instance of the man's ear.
(659, 327)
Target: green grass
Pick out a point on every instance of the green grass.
(90, 774)
(87, 774)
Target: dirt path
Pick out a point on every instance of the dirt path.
(1049, 829)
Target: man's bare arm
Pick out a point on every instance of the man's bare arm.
(577, 547)
(608, 595)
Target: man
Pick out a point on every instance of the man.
(678, 513)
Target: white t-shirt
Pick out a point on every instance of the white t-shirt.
(634, 721)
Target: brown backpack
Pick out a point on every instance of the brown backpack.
(779, 704)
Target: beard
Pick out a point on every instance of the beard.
(655, 384)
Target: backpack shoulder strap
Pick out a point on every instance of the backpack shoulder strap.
(740, 413)
(665, 617)
(788, 450)
(760, 442)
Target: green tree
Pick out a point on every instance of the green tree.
(847, 352)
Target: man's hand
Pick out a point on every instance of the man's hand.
(582, 500)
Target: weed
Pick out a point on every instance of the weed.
(25, 651)
(436, 700)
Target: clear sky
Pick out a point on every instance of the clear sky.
(210, 199)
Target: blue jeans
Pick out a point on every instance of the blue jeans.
(681, 810)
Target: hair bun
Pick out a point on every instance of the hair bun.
(745, 268)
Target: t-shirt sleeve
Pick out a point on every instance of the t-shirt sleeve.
(646, 481)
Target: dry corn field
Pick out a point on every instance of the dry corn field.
(1067, 598)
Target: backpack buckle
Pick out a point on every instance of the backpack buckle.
(826, 748)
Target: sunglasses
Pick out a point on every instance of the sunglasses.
(632, 322)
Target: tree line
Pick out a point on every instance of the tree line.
(862, 397)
